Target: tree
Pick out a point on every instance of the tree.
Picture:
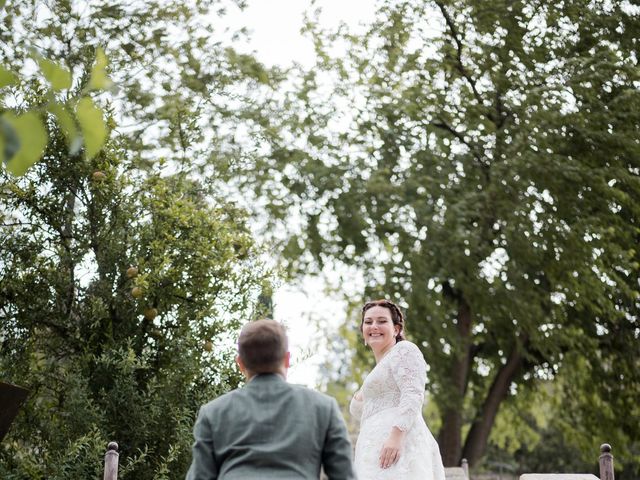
(480, 165)
(114, 289)
(179, 82)
(124, 274)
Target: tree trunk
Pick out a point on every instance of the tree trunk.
(450, 438)
(66, 258)
(477, 438)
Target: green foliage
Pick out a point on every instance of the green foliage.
(28, 132)
(560, 426)
(484, 173)
(94, 130)
(6, 77)
(68, 126)
(179, 81)
(57, 76)
(24, 137)
(111, 352)
(99, 79)
(99, 366)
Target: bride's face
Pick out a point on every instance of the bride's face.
(378, 329)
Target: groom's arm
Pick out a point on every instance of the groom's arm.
(336, 454)
(203, 463)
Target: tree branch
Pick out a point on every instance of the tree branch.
(458, 43)
(444, 126)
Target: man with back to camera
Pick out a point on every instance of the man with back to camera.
(269, 429)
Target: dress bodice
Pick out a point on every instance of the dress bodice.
(397, 381)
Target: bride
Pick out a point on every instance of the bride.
(394, 441)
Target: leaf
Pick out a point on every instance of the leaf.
(58, 77)
(68, 126)
(92, 125)
(10, 140)
(6, 77)
(32, 136)
(99, 79)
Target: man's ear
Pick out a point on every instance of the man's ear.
(287, 359)
(241, 366)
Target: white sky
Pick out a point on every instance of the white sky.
(301, 308)
(274, 27)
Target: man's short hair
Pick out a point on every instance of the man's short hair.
(262, 346)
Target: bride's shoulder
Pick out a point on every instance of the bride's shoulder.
(408, 357)
(406, 347)
(406, 344)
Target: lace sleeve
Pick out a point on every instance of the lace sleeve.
(355, 407)
(409, 370)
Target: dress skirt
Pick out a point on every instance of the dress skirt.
(419, 457)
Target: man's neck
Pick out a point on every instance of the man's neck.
(250, 375)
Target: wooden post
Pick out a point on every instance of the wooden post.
(465, 468)
(111, 462)
(606, 462)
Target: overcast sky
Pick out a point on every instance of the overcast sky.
(275, 25)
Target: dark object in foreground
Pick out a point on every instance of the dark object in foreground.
(11, 397)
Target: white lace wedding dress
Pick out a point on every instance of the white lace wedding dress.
(393, 395)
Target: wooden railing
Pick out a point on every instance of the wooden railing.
(606, 469)
(111, 462)
(605, 461)
(457, 473)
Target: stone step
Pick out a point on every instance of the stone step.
(558, 476)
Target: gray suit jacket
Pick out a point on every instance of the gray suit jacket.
(270, 429)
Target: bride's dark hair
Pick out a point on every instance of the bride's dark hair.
(396, 315)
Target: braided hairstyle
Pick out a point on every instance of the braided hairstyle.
(396, 315)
